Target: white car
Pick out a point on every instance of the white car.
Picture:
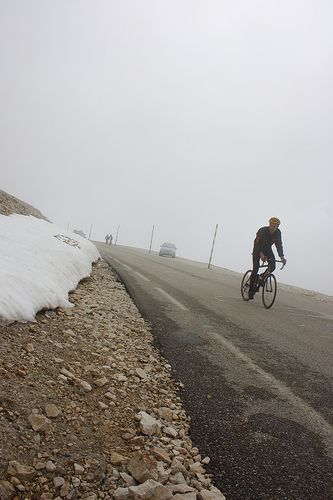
(80, 233)
(168, 249)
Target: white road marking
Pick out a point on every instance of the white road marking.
(171, 299)
(106, 255)
(228, 300)
(141, 276)
(124, 266)
(318, 423)
(116, 260)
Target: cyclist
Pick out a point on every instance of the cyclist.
(265, 238)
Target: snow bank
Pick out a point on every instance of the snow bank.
(39, 264)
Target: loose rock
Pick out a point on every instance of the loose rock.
(89, 409)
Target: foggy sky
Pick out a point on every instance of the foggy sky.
(177, 114)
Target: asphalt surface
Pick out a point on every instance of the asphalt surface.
(257, 382)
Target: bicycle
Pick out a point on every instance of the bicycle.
(266, 281)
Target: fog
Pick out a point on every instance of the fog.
(178, 114)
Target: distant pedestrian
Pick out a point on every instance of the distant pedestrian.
(107, 239)
(110, 239)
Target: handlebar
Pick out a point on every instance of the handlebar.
(278, 262)
(283, 263)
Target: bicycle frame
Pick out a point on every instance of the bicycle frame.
(268, 285)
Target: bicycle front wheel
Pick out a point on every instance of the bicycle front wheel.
(245, 287)
(269, 291)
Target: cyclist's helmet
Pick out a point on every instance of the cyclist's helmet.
(275, 220)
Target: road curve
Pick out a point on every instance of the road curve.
(257, 383)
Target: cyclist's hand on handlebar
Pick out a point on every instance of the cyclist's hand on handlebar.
(263, 257)
(284, 261)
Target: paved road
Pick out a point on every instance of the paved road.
(257, 382)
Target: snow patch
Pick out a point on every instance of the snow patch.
(39, 264)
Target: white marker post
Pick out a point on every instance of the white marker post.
(211, 253)
(117, 235)
(151, 239)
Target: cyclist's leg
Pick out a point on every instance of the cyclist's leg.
(256, 260)
(271, 261)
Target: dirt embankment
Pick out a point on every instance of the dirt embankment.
(11, 205)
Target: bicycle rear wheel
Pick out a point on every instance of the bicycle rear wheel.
(269, 291)
(245, 287)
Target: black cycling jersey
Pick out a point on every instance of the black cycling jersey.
(264, 240)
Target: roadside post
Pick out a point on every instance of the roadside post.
(151, 239)
(211, 253)
(117, 235)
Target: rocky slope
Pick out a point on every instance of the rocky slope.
(11, 205)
